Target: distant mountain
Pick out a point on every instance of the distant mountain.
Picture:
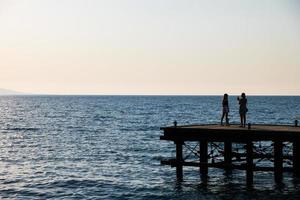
(9, 92)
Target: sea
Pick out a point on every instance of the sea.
(109, 147)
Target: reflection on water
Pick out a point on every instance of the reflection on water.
(108, 147)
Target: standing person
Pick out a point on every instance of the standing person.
(225, 112)
(243, 109)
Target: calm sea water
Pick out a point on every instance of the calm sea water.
(108, 147)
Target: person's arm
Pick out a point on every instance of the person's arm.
(239, 100)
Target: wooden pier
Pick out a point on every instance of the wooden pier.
(284, 143)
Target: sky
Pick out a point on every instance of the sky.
(187, 47)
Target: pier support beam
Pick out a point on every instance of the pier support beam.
(296, 158)
(249, 164)
(179, 160)
(228, 155)
(278, 161)
(203, 158)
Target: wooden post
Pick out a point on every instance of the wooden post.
(179, 160)
(227, 155)
(249, 164)
(278, 161)
(203, 158)
(296, 158)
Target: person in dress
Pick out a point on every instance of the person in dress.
(225, 111)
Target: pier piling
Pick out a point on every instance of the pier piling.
(203, 158)
(296, 158)
(227, 155)
(278, 161)
(249, 163)
(179, 161)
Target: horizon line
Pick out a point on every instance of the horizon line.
(78, 94)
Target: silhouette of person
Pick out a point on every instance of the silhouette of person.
(225, 111)
(243, 109)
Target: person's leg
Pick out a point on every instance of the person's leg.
(245, 120)
(227, 120)
(241, 116)
(223, 114)
(242, 120)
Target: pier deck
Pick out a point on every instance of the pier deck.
(279, 136)
(233, 133)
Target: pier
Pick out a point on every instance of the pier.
(235, 148)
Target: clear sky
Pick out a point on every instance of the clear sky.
(150, 46)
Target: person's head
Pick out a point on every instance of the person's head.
(225, 96)
(243, 95)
